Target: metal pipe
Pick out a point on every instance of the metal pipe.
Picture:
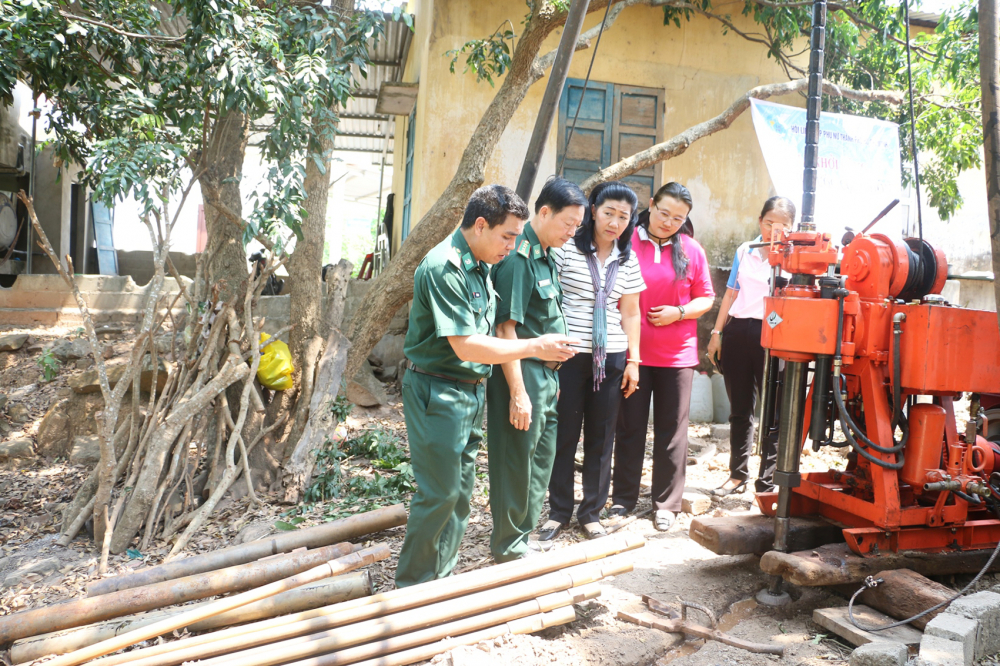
(550, 101)
(331, 568)
(514, 618)
(326, 534)
(786, 475)
(342, 588)
(414, 596)
(821, 397)
(814, 103)
(201, 586)
(327, 634)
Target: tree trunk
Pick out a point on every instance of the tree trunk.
(227, 266)
(989, 80)
(394, 287)
(305, 276)
(322, 423)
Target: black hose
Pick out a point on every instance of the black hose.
(872, 582)
(847, 424)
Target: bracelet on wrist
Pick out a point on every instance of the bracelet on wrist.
(637, 361)
(681, 309)
(716, 332)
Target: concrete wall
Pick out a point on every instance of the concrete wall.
(701, 71)
(138, 264)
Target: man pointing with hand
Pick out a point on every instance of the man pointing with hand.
(522, 398)
(449, 349)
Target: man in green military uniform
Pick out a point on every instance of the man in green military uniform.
(449, 350)
(522, 398)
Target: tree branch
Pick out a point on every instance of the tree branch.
(134, 35)
(680, 143)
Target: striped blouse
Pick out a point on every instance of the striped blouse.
(578, 295)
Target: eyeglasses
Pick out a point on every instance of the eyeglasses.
(772, 225)
(676, 219)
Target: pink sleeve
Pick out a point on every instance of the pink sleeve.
(701, 278)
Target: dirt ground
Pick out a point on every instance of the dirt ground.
(34, 571)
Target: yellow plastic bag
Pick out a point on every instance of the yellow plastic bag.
(275, 369)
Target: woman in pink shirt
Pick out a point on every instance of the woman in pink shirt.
(678, 291)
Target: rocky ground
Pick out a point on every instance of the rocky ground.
(38, 479)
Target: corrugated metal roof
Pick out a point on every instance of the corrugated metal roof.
(361, 129)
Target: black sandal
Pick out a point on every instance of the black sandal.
(738, 489)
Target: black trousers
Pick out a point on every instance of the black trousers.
(670, 389)
(597, 412)
(743, 370)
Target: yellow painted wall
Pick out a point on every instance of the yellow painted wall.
(701, 71)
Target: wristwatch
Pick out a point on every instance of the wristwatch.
(716, 332)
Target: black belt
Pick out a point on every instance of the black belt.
(551, 365)
(413, 367)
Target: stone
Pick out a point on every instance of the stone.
(956, 628)
(86, 450)
(937, 651)
(365, 390)
(88, 382)
(82, 363)
(879, 654)
(12, 580)
(70, 350)
(55, 433)
(12, 341)
(255, 530)
(388, 373)
(984, 607)
(3, 400)
(48, 565)
(18, 413)
(695, 503)
(374, 360)
(16, 449)
(719, 431)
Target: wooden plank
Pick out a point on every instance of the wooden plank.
(904, 593)
(835, 564)
(837, 621)
(754, 534)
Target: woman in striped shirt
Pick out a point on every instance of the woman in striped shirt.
(601, 281)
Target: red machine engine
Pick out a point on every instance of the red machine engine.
(888, 355)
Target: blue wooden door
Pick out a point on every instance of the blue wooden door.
(107, 256)
(411, 140)
(638, 123)
(589, 148)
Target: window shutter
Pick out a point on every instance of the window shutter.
(589, 149)
(638, 125)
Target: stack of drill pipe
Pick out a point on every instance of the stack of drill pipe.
(151, 597)
(337, 531)
(331, 568)
(516, 597)
(342, 588)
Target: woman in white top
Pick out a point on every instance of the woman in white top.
(742, 357)
(601, 281)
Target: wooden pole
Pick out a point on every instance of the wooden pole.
(560, 602)
(342, 588)
(989, 82)
(524, 625)
(415, 596)
(327, 634)
(902, 594)
(201, 586)
(331, 568)
(333, 532)
(550, 101)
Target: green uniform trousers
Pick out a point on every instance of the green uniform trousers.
(444, 425)
(520, 460)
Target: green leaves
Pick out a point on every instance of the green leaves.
(489, 57)
(137, 111)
